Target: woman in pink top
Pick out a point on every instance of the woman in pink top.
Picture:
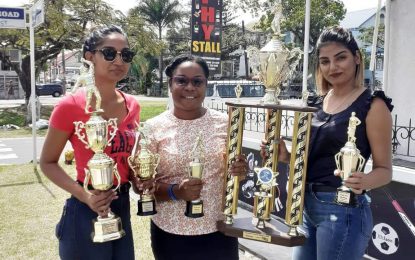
(108, 49)
(173, 136)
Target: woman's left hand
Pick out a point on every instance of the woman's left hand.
(356, 182)
(240, 167)
(143, 187)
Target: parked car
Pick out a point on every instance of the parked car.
(53, 89)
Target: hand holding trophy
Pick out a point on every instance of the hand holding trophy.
(194, 208)
(101, 168)
(144, 164)
(348, 160)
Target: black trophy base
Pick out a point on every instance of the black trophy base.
(146, 208)
(274, 232)
(194, 209)
(345, 198)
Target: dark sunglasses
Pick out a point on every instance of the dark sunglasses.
(110, 53)
(182, 81)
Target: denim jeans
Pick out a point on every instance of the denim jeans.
(334, 232)
(75, 227)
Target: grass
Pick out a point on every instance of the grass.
(16, 116)
(30, 208)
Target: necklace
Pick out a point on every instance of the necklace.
(346, 98)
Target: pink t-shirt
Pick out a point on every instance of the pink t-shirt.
(174, 139)
(71, 109)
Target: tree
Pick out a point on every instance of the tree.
(160, 14)
(64, 28)
(323, 13)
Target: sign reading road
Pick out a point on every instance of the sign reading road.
(13, 18)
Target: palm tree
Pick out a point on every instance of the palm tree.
(160, 13)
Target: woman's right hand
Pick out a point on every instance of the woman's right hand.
(283, 154)
(99, 201)
(189, 189)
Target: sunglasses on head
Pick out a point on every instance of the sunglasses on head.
(183, 81)
(110, 53)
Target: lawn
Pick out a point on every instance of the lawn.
(16, 116)
(30, 208)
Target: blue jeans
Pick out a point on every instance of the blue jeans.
(334, 232)
(75, 227)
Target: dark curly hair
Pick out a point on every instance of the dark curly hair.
(96, 37)
(183, 58)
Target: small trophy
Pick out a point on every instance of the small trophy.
(348, 160)
(101, 168)
(238, 92)
(144, 165)
(262, 199)
(194, 208)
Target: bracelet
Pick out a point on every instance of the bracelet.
(171, 193)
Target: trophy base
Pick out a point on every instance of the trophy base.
(107, 229)
(274, 232)
(345, 198)
(194, 209)
(146, 208)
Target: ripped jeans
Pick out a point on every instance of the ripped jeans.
(334, 232)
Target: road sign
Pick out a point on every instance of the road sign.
(13, 18)
(38, 13)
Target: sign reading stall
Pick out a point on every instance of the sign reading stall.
(206, 32)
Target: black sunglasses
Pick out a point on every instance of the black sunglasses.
(110, 53)
(183, 81)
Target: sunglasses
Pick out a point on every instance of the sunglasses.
(110, 53)
(182, 81)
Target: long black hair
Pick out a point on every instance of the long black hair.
(96, 37)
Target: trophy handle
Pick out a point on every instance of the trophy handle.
(337, 159)
(156, 163)
(79, 125)
(86, 181)
(112, 122)
(117, 175)
(361, 163)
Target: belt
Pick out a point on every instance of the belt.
(319, 188)
(123, 189)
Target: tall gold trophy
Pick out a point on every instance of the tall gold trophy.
(349, 160)
(101, 169)
(194, 208)
(275, 65)
(144, 164)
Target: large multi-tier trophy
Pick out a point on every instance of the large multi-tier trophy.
(263, 226)
(144, 164)
(349, 160)
(274, 63)
(98, 134)
(194, 208)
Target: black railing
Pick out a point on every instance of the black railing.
(403, 137)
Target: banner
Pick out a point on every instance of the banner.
(13, 18)
(206, 32)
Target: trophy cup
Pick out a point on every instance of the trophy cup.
(101, 168)
(144, 165)
(194, 208)
(348, 160)
(276, 63)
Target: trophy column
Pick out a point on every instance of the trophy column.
(298, 171)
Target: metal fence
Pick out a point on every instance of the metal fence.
(403, 135)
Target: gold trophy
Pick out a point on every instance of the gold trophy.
(194, 208)
(263, 198)
(144, 165)
(348, 160)
(101, 168)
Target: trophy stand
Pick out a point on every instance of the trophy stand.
(194, 208)
(100, 168)
(348, 160)
(144, 165)
(262, 227)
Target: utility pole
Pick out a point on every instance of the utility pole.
(244, 45)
